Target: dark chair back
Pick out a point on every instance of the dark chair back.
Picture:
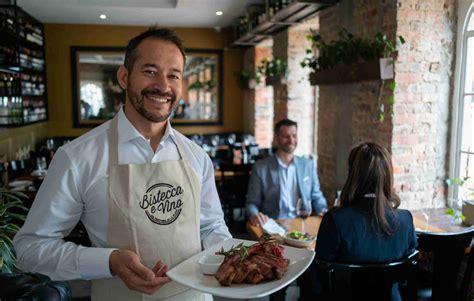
(448, 250)
(372, 281)
(19, 168)
(234, 179)
(28, 286)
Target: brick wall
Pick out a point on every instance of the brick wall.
(295, 100)
(258, 102)
(421, 120)
(418, 132)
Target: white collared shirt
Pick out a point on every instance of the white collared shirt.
(289, 192)
(76, 188)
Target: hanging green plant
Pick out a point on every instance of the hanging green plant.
(367, 59)
(275, 67)
(248, 79)
(196, 85)
(210, 84)
(11, 207)
(347, 50)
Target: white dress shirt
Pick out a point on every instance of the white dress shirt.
(76, 188)
(289, 192)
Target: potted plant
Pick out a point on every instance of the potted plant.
(11, 207)
(461, 210)
(275, 71)
(248, 79)
(352, 59)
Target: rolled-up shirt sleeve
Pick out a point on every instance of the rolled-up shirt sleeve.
(213, 227)
(57, 208)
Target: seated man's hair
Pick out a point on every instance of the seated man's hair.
(285, 122)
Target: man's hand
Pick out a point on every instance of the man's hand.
(258, 219)
(322, 212)
(127, 266)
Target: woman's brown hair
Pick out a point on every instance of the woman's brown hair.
(371, 171)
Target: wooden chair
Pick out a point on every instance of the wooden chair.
(448, 251)
(372, 281)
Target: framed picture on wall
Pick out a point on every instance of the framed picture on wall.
(97, 96)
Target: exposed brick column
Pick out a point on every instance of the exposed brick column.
(348, 112)
(258, 102)
(421, 121)
(295, 100)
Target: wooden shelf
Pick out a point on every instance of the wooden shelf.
(294, 13)
(377, 69)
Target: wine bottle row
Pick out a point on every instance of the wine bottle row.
(15, 84)
(23, 28)
(22, 68)
(257, 15)
(17, 109)
(28, 58)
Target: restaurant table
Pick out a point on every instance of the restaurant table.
(311, 227)
(431, 220)
(436, 220)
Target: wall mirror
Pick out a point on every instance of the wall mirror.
(97, 95)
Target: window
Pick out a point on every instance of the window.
(93, 99)
(464, 127)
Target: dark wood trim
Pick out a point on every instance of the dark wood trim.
(75, 103)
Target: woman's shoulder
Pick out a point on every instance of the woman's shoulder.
(404, 214)
(341, 214)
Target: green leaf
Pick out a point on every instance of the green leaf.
(391, 100)
(450, 211)
(381, 117)
(392, 86)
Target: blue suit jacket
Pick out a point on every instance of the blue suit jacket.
(264, 186)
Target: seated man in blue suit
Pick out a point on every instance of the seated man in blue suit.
(277, 182)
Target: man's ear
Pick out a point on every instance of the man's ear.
(122, 76)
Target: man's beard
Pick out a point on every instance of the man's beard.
(138, 102)
(288, 149)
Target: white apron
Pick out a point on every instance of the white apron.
(154, 211)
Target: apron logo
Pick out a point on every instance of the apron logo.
(162, 203)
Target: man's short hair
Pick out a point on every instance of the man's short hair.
(284, 122)
(164, 34)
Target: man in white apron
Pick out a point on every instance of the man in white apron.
(157, 210)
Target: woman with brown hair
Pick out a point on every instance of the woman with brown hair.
(367, 227)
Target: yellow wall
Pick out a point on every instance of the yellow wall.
(12, 139)
(59, 38)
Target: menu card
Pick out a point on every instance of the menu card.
(272, 227)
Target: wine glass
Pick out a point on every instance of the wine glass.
(303, 210)
(50, 144)
(41, 163)
(425, 211)
(337, 200)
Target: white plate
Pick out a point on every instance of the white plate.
(298, 243)
(20, 183)
(189, 274)
(39, 173)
